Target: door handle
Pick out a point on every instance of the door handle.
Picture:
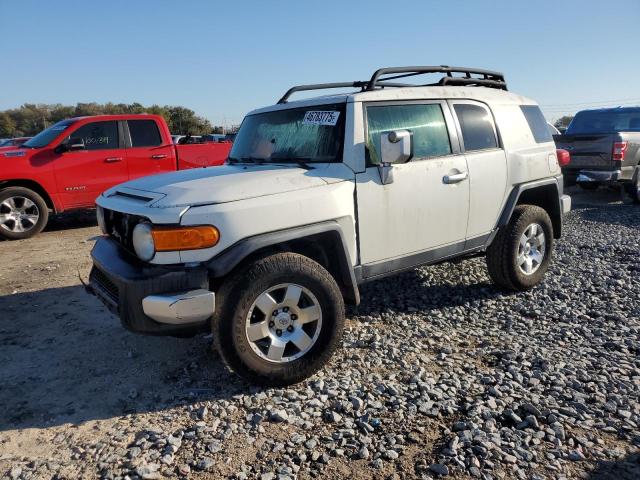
(458, 177)
(158, 156)
(112, 159)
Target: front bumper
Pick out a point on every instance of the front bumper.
(150, 299)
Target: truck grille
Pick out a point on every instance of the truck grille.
(120, 227)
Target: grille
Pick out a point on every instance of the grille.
(120, 226)
(106, 286)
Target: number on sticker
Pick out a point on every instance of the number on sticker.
(321, 118)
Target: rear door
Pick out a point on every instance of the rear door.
(82, 175)
(487, 164)
(146, 153)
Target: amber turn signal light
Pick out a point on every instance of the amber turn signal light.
(169, 239)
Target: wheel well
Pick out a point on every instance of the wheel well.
(325, 248)
(545, 197)
(31, 185)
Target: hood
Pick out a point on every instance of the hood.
(223, 184)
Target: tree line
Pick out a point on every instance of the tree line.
(29, 119)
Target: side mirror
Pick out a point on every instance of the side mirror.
(395, 147)
(73, 144)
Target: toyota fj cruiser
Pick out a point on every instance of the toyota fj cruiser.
(321, 195)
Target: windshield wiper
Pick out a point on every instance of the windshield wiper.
(302, 162)
(256, 160)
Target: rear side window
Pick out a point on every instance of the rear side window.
(537, 123)
(144, 133)
(426, 122)
(98, 135)
(477, 127)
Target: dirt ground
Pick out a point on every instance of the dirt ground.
(68, 370)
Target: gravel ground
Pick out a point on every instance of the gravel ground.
(440, 375)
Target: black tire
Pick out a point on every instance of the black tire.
(39, 205)
(236, 297)
(591, 186)
(502, 254)
(633, 188)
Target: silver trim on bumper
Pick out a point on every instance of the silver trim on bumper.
(565, 203)
(180, 308)
(598, 175)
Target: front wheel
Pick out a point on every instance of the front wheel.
(519, 255)
(23, 213)
(279, 319)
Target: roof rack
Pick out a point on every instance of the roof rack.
(380, 79)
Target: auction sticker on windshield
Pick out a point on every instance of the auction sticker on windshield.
(321, 118)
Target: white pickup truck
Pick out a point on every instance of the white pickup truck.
(321, 195)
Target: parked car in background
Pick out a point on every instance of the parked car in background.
(69, 164)
(13, 142)
(215, 138)
(186, 139)
(321, 195)
(605, 149)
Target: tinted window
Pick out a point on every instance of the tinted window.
(477, 127)
(606, 121)
(144, 133)
(98, 135)
(426, 122)
(537, 123)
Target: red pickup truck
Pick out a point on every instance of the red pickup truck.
(67, 166)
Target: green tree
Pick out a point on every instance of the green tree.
(30, 119)
(7, 125)
(563, 122)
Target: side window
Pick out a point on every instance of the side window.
(537, 123)
(144, 133)
(426, 122)
(477, 127)
(98, 135)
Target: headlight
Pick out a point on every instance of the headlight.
(143, 242)
(147, 239)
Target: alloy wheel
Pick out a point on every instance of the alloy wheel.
(531, 249)
(18, 214)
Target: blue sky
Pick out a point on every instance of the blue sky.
(223, 59)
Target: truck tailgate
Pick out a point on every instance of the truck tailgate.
(588, 150)
(200, 155)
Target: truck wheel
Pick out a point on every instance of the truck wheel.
(633, 188)
(279, 319)
(23, 213)
(519, 256)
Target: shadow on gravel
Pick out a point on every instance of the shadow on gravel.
(626, 469)
(625, 215)
(63, 358)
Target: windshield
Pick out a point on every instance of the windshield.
(605, 121)
(310, 134)
(47, 135)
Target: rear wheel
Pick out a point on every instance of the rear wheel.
(589, 186)
(23, 213)
(633, 188)
(279, 319)
(519, 256)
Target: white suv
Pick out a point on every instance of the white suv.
(321, 195)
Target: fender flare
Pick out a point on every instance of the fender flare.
(516, 193)
(223, 263)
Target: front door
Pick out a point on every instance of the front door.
(423, 213)
(82, 175)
